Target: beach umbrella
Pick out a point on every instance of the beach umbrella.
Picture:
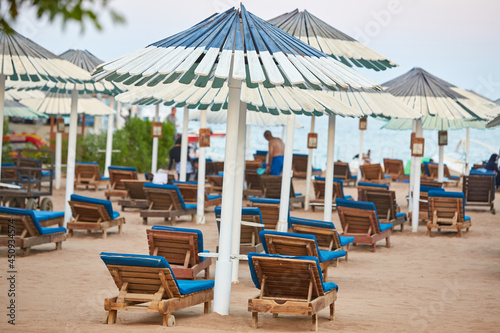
(230, 58)
(13, 108)
(494, 122)
(442, 105)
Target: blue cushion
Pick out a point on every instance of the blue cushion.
(31, 213)
(244, 211)
(190, 206)
(214, 196)
(301, 155)
(466, 218)
(374, 185)
(298, 194)
(146, 176)
(387, 176)
(8, 164)
(174, 182)
(191, 286)
(458, 195)
(47, 173)
(424, 188)
(479, 172)
(46, 215)
(330, 255)
(385, 226)
(221, 173)
(106, 203)
(260, 153)
(122, 168)
(265, 200)
(398, 215)
(326, 286)
(311, 223)
(104, 178)
(115, 214)
(171, 187)
(344, 240)
(426, 168)
(348, 197)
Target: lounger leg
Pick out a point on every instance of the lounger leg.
(428, 231)
(388, 242)
(59, 246)
(207, 307)
(332, 311)
(89, 232)
(275, 315)
(168, 320)
(70, 233)
(26, 251)
(145, 220)
(111, 317)
(120, 229)
(104, 233)
(459, 235)
(255, 319)
(207, 272)
(173, 221)
(373, 247)
(314, 322)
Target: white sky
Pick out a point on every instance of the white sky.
(459, 41)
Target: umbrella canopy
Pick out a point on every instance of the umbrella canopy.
(493, 123)
(322, 36)
(253, 118)
(82, 58)
(13, 108)
(60, 104)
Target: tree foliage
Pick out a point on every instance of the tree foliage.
(68, 10)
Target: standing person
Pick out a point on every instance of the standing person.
(492, 165)
(276, 152)
(172, 119)
(175, 156)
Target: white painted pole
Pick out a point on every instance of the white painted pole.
(286, 175)
(97, 119)
(327, 213)
(248, 152)
(467, 141)
(309, 168)
(200, 201)
(154, 159)
(416, 182)
(413, 170)
(360, 156)
(184, 145)
(58, 159)
(2, 105)
(238, 190)
(223, 266)
(70, 169)
(109, 138)
(441, 164)
(118, 115)
(283, 132)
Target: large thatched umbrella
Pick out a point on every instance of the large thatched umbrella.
(236, 57)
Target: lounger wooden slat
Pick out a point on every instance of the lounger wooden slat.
(88, 174)
(395, 169)
(251, 225)
(373, 173)
(254, 184)
(479, 190)
(165, 201)
(446, 211)
(116, 177)
(319, 191)
(136, 197)
(387, 208)
(270, 213)
(342, 171)
(190, 194)
(272, 189)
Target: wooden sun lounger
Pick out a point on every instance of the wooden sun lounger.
(190, 194)
(253, 165)
(251, 225)
(272, 189)
(433, 173)
(319, 190)
(165, 201)
(479, 190)
(136, 197)
(359, 220)
(299, 166)
(93, 214)
(395, 169)
(341, 171)
(387, 209)
(270, 210)
(216, 183)
(147, 284)
(289, 286)
(362, 186)
(88, 174)
(180, 247)
(254, 184)
(116, 177)
(446, 211)
(373, 173)
(25, 228)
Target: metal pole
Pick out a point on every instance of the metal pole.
(309, 168)
(441, 164)
(360, 156)
(286, 176)
(2, 104)
(154, 159)
(70, 169)
(109, 139)
(327, 214)
(184, 145)
(223, 266)
(416, 182)
(467, 141)
(58, 159)
(238, 190)
(200, 201)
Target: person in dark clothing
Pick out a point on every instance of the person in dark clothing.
(175, 156)
(492, 165)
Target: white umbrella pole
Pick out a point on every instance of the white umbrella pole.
(286, 176)
(223, 266)
(200, 204)
(96, 124)
(58, 159)
(467, 141)
(118, 115)
(238, 190)
(327, 214)
(309, 168)
(109, 138)
(416, 183)
(248, 153)
(2, 105)
(441, 164)
(70, 169)
(413, 170)
(360, 156)
(184, 145)
(154, 159)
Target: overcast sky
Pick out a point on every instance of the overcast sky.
(459, 40)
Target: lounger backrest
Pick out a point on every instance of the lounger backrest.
(253, 179)
(289, 244)
(164, 197)
(87, 170)
(372, 171)
(210, 168)
(188, 191)
(272, 186)
(94, 208)
(362, 186)
(286, 277)
(249, 235)
(299, 162)
(270, 209)
(118, 173)
(142, 273)
(358, 217)
(384, 201)
(253, 165)
(180, 246)
(219, 165)
(392, 166)
(24, 219)
(215, 181)
(479, 188)
(135, 188)
(27, 168)
(325, 232)
(446, 204)
(319, 187)
(341, 171)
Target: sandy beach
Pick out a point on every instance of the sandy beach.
(420, 284)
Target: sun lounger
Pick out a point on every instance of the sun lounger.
(387, 209)
(432, 172)
(373, 173)
(25, 228)
(447, 211)
(359, 220)
(479, 189)
(93, 214)
(272, 189)
(147, 283)
(342, 171)
(270, 209)
(299, 166)
(117, 174)
(430, 182)
(423, 202)
(88, 174)
(362, 186)
(319, 190)
(165, 201)
(326, 235)
(260, 155)
(254, 184)
(136, 197)
(395, 169)
(180, 246)
(189, 191)
(216, 183)
(253, 165)
(289, 285)
(251, 225)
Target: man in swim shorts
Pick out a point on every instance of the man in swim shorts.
(276, 151)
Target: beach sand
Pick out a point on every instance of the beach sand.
(420, 284)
